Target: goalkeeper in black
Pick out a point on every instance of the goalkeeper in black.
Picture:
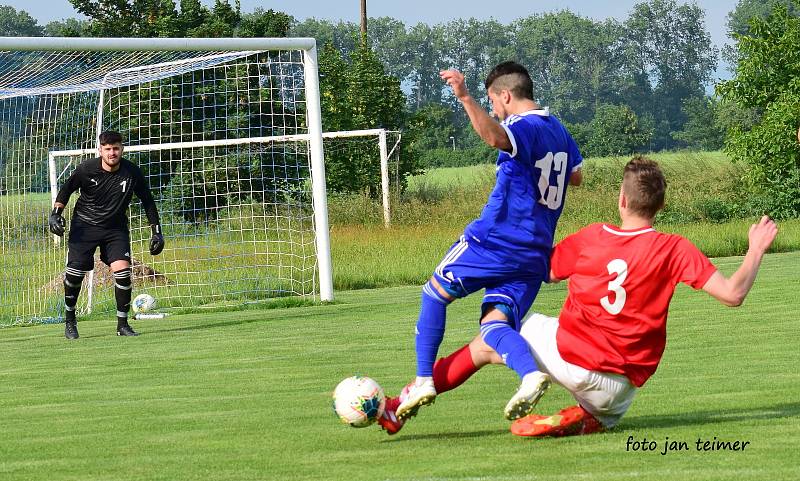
(99, 219)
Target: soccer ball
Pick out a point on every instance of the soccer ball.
(143, 303)
(358, 401)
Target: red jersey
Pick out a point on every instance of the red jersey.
(620, 284)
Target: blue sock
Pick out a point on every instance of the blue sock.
(511, 346)
(430, 328)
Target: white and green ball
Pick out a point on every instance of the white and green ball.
(143, 303)
(358, 401)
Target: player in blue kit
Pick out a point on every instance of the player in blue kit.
(507, 249)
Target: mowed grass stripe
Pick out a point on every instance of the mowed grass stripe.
(246, 395)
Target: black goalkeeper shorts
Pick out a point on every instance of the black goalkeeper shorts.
(114, 244)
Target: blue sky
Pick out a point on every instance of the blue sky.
(415, 11)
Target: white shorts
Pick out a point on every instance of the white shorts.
(606, 396)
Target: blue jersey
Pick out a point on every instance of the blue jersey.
(519, 220)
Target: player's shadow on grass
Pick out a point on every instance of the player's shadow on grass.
(696, 418)
(237, 322)
(453, 435)
(215, 325)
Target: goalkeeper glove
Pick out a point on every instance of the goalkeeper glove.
(157, 241)
(57, 223)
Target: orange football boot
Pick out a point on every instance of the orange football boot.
(567, 422)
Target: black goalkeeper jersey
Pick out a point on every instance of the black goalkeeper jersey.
(105, 196)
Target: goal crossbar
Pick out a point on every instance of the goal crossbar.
(224, 142)
(154, 44)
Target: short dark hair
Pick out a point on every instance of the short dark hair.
(644, 186)
(513, 77)
(110, 137)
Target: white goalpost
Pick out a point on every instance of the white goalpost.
(385, 142)
(228, 133)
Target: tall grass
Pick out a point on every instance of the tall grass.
(700, 188)
(366, 257)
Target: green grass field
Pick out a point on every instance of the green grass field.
(246, 396)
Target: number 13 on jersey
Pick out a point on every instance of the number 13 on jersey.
(552, 195)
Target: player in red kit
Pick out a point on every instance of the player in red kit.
(611, 332)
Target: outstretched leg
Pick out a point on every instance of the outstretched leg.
(448, 373)
(429, 334)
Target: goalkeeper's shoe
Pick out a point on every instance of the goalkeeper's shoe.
(389, 421)
(567, 422)
(71, 330)
(421, 393)
(126, 330)
(530, 391)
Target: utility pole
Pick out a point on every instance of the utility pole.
(363, 22)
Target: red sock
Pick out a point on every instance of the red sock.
(451, 371)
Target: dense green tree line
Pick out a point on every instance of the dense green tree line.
(651, 63)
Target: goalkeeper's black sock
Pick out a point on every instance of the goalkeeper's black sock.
(122, 294)
(73, 279)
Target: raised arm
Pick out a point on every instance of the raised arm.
(733, 290)
(486, 127)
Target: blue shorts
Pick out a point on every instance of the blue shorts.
(468, 267)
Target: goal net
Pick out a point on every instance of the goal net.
(367, 160)
(226, 131)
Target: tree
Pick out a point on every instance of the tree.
(431, 127)
(668, 46)
(390, 43)
(343, 36)
(473, 47)
(573, 61)
(161, 18)
(261, 23)
(766, 80)
(739, 20)
(221, 22)
(15, 23)
(356, 93)
(425, 43)
(702, 130)
(615, 130)
(192, 15)
(69, 27)
(122, 18)
(333, 86)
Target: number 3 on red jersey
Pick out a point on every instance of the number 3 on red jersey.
(620, 268)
